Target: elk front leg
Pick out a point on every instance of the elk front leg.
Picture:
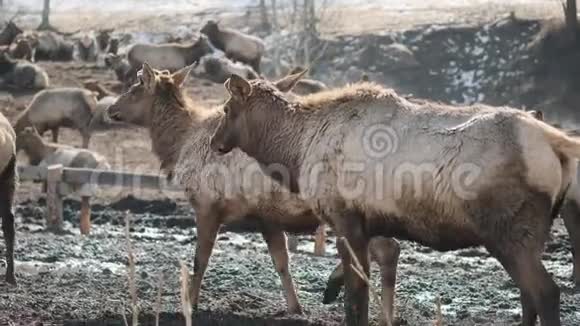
(276, 241)
(207, 229)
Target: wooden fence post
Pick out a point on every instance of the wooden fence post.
(53, 198)
(320, 241)
(85, 215)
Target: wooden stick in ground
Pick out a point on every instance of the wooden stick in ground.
(341, 245)
(53, 198)
(185, 295)
(131, 273)
(158, 303)
(320, 241)
(85, 215)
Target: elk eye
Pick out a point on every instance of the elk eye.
(226, 109)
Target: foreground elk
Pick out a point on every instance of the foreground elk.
(8, 182)
(446, 177)
(59, 107)
(237, 46)
(221, 189)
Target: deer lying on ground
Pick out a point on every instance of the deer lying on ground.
(8, 183)
(88, 48)
(125, 74)
(236, 45)
(305, 86)
(170, 56)
(59, 107)
(97, 87)
(219, 70)
(496, 177)
(21, 74)
(21, 49)
(221, 189)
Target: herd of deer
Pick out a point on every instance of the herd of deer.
(313, 161)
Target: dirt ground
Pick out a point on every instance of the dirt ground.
(81, 280)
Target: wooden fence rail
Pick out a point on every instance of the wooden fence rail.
(61, 181)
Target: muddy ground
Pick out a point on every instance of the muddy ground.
(80, 280)
(76, 279)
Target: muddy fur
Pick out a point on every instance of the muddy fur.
(22, 74)
(508, 148)
(59, 107)
(236, 45)
(170, 56)
(8, 184)
(180, 133)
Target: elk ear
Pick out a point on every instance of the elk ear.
(287, 83)
(180, 76)
(147, 75)
(238, 87)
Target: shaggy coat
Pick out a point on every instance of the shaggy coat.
(236, 45)
(8, 183)
(169, 56)
(371, 163)
(21, 74)
(222, 189)
(59, 107)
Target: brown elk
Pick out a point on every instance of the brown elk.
(407, 157)
(59, 107)
(217, 187)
